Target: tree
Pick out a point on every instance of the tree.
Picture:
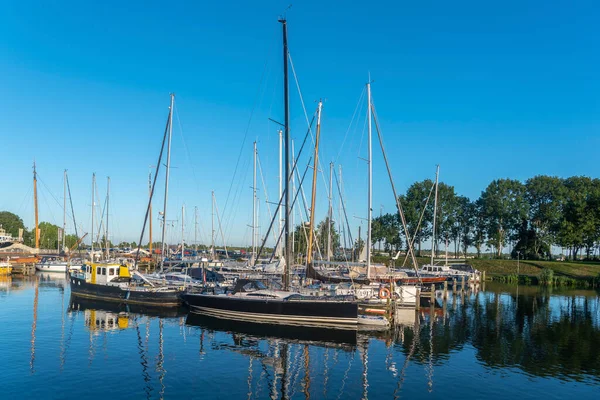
(321, 237)
(446, 213)
(11, 223)
(386, 228)
(479, 225)
(413, 204)
(580, 224)
(48, 235)
(504, 208)
(545, 195)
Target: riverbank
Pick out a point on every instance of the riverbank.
(571, 273)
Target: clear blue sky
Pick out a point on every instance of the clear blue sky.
(509, 89)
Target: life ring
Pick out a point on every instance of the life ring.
(384, 293)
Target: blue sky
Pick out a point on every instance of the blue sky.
(485, 90)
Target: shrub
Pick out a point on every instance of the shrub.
(547, 277)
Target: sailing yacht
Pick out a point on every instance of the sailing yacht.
(115, 282)
(251, 300)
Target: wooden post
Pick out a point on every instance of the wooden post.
(445, 290)
(432, 294)
(418, 299)
(462, 283)
(453, 285)
(482, 276)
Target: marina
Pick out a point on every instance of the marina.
(227, 201)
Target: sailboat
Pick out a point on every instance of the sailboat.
(252, 300)
(115, 282)
(58, 263)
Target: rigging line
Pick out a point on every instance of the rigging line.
(398, 203)
(49, 191)
(305, 208)
(284, 190)
(360, 99)
(292, 206)
(162, 148)
(187, 153)
(237, 195)
(305, 203)
(48, 205)
(256, 97)
(27, 195)
(265, 190)
(419, 223)
(73, 214)
(343, 207)
(220, 228)
(319, 166)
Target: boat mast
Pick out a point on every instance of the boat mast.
(437, 173)
(150, 212)
(168, 169)
(253, 257)
(107, 203)
(330, 213)
(35, 209)
(370, 191)
(212, 237)
(314, 189)
(93, 189)
(64, 208)
(182, 229)
(280, 185)
(288, 253)
(196, 227)
(340, 224)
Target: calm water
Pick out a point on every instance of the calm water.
(500, 343)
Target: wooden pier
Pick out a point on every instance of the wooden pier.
(23, 269)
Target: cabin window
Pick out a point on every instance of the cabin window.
(98, 271)
(111, 271)
(103, 271)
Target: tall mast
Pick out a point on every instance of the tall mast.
(292, 216)
(370, 162)
(168, 169)
(330, 212)
(252, 258)
(212, 235)
(314, 188)
(182, 229)
(196, 227)
(107, 203)
(286, 106)
(437, 173)
(150, 212)
(341, 225)
(35, 209)
(64, 208)
(93, 190)
(280, 186)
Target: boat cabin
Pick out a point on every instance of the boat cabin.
(102, 274)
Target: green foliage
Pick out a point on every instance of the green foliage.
(12, 223)
(386, 229)
(546, 277)
(504, 208)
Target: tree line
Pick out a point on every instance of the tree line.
(528, 217)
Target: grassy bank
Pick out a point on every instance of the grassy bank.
(526, 271)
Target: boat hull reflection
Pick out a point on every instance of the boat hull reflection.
(314, 335)
(77, 303)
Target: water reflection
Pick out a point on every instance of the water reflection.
(528, 335)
